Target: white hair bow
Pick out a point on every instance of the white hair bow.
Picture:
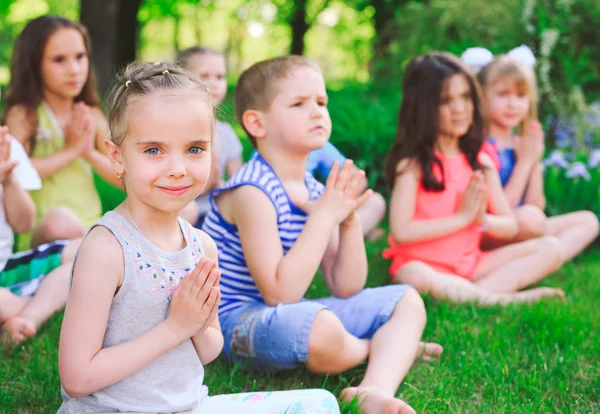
(478, 57)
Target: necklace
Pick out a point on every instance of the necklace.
(131, 218)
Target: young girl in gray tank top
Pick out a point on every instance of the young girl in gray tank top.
(141, 319)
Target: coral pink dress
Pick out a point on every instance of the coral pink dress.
(456, 253)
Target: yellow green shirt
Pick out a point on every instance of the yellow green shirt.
(72, 186)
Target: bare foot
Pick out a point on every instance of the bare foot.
(372, 400)
(10, 304)
(536, 294)
(429, 351)
(18, 329)
(375, 234)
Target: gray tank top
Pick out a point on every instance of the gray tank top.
(172, 382)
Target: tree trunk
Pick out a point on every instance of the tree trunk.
(112, 25)
(384, 24)
(299, 27)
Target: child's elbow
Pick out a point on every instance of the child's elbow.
(76, 389)
(76, 385)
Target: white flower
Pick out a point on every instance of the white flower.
(594, 159)
(556, 159)
(578, 169)
(476, 58)
(523, 55)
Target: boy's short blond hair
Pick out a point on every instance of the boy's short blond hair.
(257, 86)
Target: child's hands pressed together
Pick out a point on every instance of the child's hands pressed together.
(195, 302)
(531, 145)
(473, 202)
(79, 131)
(342, 196)
(6, 165)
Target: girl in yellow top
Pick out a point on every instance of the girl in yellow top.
(52, 109)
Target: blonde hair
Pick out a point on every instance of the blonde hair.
(183, 57)
(142, 79)
(257, 86)
(508, 69)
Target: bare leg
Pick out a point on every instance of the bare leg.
(531, 222)
(516, 266)
(391, 354)
(331, 349)
(459, 290)
(575, 231)
(371, 214)
(59, 224)
(10, 304)
(68, 254)
(49, 298)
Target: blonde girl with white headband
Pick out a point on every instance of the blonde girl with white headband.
(509, 89)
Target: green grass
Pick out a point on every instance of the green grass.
(520, 359)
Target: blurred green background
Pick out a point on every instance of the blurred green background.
(362, 47)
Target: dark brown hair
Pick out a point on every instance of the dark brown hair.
(257, 86)
(26, 85)
(142, 79)
(418, 119)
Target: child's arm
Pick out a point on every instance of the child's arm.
(501, 223)
(18, 205)
(529, 150)
(535, 189)
(345, 266)
(19, 123)
(96, 152)
(209, 342)
(102, 130)
(84, 365)
(404, 229)
(285, 278)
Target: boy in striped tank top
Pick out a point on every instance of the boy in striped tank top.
(275, 225)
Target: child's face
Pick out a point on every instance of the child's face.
(298, 117)
(507, 104)
(212, 71)
(166, 154)
(456, 107)
(65, 63)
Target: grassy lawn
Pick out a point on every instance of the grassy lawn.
(520, 359)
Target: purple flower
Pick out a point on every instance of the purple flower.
(594, 159)
(556, 159)
(578, 169)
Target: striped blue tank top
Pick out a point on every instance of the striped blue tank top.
(237, 284)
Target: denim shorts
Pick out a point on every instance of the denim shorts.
(275, 338)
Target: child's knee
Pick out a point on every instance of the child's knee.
(551, 247)
(326, 337)
(590, 222)
(531, 221)
(61, 223)
(411, 302)
(412, 273)
(377, 204)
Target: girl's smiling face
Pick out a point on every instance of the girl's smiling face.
(166, 153)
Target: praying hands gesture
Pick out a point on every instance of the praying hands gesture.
(195, 302)
(342, 196)
(6, 165)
